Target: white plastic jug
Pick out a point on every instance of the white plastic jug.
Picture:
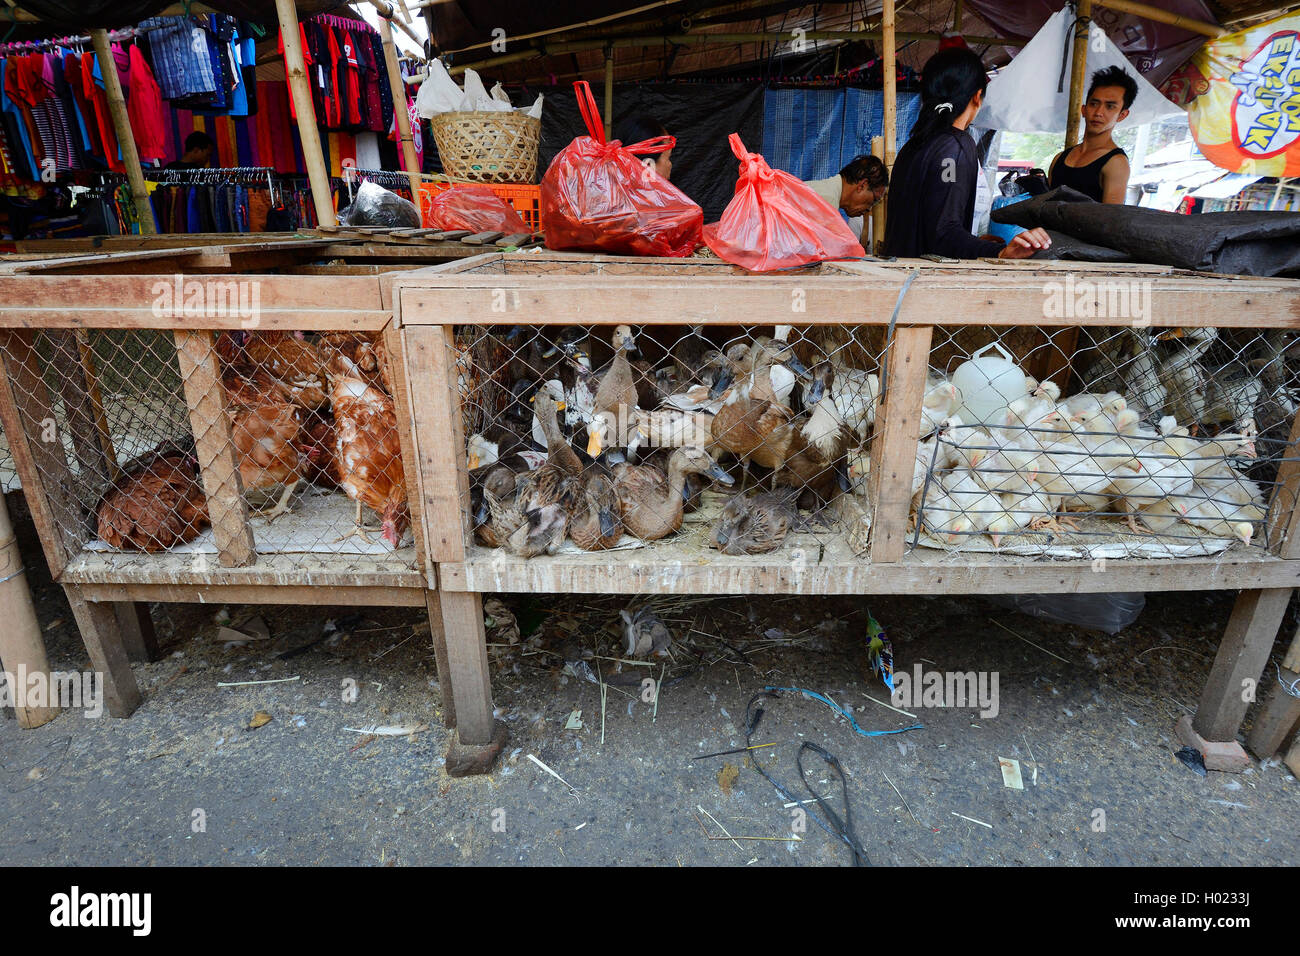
(988, 384)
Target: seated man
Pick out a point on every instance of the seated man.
(855, 189)
(1097, 167)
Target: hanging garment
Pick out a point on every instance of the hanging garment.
(145, 108)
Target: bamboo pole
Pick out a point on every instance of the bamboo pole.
(705, 39)
(399, 109)
(122, 129)
(889, 51)
(609, 94)
(956, 16)
(22, 649)
(295, 69)
(1148, 12)
(1078, 71)
(878, 210)
(388, 11)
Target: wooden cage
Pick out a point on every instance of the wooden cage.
(118, 354)
(899, 320)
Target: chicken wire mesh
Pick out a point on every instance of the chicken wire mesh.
(735, 441)
(299, 430)
(8, 470)
(1105, 441)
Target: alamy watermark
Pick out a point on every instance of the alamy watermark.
(191, 298)
(69, 690)
(924, 688)
(1128, 301)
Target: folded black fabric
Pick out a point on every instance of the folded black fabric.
(1231, 243)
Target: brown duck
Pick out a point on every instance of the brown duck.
(651, 506)
(545, 496)
(756, 524)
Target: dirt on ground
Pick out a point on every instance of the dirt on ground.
(197, 777)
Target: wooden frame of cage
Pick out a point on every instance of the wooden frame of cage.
(68, 286)
(553, 288)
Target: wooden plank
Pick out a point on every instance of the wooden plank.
(433, 602)
(665, 569)
(514, 239)
(301, 594)
(1283, 521)
(997, 300)
(462, 620)
(395, 347)
(482, 238)
(27, 411)
(1281, 712)
(452, 235)
(440, 441)
(1242, 654)
(218, 464)
(893, 450)
(328, 570)
(138, 634)
(108, 658)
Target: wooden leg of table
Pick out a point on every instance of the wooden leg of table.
(1281, 711)
(478, 739)
(103, 640)
(138, 635)
(433, 601)
(1243, 652)
(1292, 759)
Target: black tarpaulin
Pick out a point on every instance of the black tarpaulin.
(700, 115)
(1231, 243)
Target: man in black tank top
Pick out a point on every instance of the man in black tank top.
(1097, 167)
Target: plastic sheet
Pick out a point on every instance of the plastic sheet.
(598, 197)
(1110, 613)
(377, 206)
(476, 208)
(774, 221)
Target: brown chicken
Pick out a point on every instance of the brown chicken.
(295, 363)
(156, 504)
(368, 449)
(266, 428)
(367, 352)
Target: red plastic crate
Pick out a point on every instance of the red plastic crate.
(525, 199)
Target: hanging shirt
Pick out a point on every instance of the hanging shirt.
(145, 108)
(180, 56)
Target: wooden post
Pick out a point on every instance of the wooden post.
(1242, 654)
(295, 69)
(893, 451)
(956, 16)
(22, 649)
(399, 109)
(122, 129)
(878, 211)
(138, 635)
(888, 51)
(103, 640)
(433, 603)
(609, 93)
(444, 485)
(222, 484)
(1078, 72)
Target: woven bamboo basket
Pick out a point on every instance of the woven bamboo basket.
(488, 147)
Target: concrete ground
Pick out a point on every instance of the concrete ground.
(1089, 718)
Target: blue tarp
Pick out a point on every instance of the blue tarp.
(813, 134)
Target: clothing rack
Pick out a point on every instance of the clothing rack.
(206, 174)
(79, 42)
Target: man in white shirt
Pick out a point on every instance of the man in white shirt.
(855, 189)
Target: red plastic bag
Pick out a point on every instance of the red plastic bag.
(598, 197)
(476, 208)
(774, 221)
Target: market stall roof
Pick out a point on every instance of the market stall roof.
(43, 18)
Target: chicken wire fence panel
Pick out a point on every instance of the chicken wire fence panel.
(303, 425)
(1105, 441)
(716, 441)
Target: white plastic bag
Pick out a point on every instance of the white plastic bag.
(438, 93)
(1110, 613)
(1032, 93)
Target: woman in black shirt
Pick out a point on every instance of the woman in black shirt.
(932, 189)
